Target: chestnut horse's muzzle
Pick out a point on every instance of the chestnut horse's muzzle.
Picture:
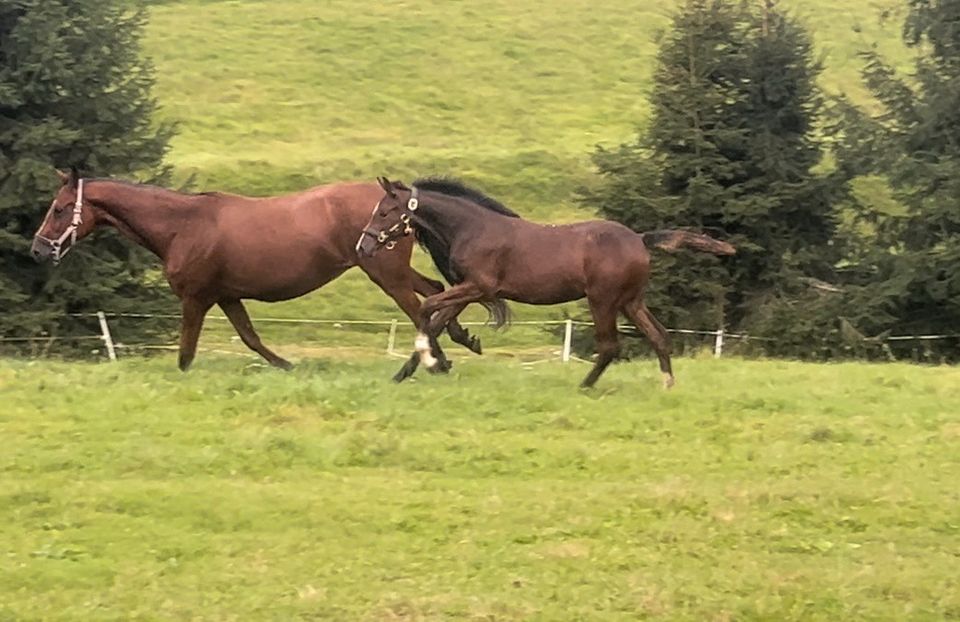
(371, 240)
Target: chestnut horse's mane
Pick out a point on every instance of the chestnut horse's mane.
(136, 184)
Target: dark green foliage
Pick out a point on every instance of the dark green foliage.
(74, 90)
(915, 142)
(732, 149)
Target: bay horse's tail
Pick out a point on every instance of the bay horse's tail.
(673, 239)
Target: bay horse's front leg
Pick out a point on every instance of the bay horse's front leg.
(191, 322)
(426, 287)
(395, 279)
(436, 311)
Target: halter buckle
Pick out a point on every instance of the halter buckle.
(413, 204)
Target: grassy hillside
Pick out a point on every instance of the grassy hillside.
(512, 95)
(764, 490)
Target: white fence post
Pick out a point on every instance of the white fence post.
(392, 337)
(105, 335)
(567, 340)
(718, 344)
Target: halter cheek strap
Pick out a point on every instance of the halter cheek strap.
(59, 250)
(383, 235)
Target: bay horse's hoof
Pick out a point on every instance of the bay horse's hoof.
(475, 345)
(668, 381)
(283, 364)
(442, 366)
(408, 368)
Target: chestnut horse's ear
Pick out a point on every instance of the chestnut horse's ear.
(386, 185)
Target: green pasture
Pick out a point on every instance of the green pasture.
(512, 94)
(754, 490)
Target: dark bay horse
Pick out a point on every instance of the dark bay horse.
(218, 249)
(488, 253)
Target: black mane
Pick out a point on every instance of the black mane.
(456, 188)
(439, 248)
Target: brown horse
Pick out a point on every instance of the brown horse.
(218, 249)
(490, 254)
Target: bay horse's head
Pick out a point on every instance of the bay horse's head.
(390, 219)
(68, 220)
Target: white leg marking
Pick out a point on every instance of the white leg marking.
(668, 381)
(422, 345)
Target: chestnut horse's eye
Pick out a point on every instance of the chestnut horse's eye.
(58, 210)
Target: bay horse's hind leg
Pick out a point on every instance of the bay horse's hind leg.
(237, 314)
(191, 322)
(606, 337)
(458, 334)
(640, 315)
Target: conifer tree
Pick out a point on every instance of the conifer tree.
(74, 91)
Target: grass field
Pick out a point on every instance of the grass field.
(755, 490)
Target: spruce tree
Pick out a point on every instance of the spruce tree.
(74, 91)
(731, 148)
(914, 261)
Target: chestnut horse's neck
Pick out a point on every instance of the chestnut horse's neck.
(149, 215)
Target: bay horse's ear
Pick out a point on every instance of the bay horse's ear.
(386, 185)
(74, 178)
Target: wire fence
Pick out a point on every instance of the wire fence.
(562, 350)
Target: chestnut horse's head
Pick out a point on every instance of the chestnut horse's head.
(68, 220)
(391, 218)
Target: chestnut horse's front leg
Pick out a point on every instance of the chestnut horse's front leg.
(191, 322)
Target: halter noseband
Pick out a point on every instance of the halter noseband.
(59, 251)
(383, 235)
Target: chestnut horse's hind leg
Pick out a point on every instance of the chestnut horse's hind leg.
(640, 315)
(191, 322)
(237, 314)
(606, 336)
(458, 334)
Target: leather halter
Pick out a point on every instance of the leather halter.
(59, 250)
(383, 236)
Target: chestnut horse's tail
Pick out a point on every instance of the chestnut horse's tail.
(673, 239)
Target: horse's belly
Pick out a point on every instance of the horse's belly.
(544, 292)
(274, 282)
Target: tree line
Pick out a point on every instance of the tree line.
(742, 143)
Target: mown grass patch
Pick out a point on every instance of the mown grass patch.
(754, 490)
